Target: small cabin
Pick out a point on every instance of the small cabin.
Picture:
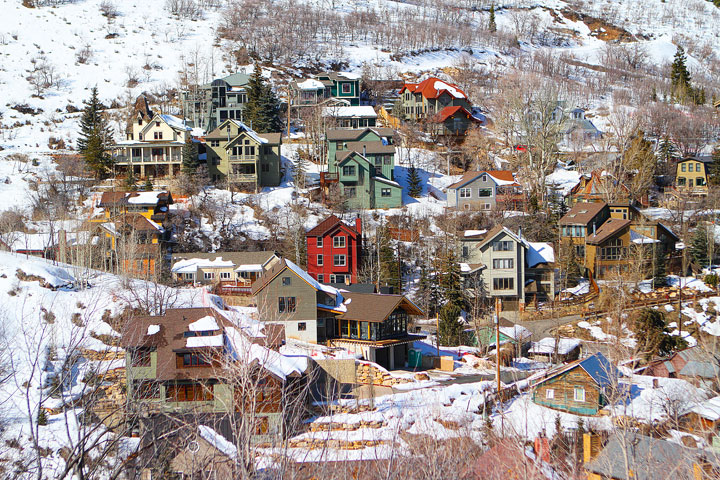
(581, 387)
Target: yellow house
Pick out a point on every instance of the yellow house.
(691, 175)
(153, 144)
(152, 205)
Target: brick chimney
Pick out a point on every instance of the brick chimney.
(358, 226)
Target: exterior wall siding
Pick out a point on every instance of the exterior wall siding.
(475, 202)
(563, 387)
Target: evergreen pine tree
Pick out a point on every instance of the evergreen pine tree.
(714, 168)
(130, 183)
(299, 171)
(262, 111)
(95, 135)
(699, 246)
(492, 26)
(389, 264)
(449, 327)
(659, 272)
(668, 152)
(148, 185)
(573, 271)
(190, 162)
(451, 281)
(680, 76)
(414, 185)
(42, 417)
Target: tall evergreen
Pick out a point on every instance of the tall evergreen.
(389, 263)
(699, 246)
(190, 162)
(95, 136)
(414, 183)
(659, 270)
(449, 327)
(714, 168)
(262, 111)
(451, 281)
(492, 26)
(680, 76)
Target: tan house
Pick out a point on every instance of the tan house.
(238, 269)
(153, 144)
(241, 156)
(691, 175)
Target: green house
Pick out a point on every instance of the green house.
(241, 156)
(342, 86)
(362, 161)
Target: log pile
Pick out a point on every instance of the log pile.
(348, 427)
(315, 443)
(371, 375)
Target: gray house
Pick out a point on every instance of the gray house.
(500, 263)
(486, 190)
(207, 106)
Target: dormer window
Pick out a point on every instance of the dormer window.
(483, 178)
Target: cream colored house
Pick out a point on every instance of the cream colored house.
(153, 145)
(235, 268)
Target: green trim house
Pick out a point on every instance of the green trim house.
(241, 156)
(324, 88)
(362, 162)
(207, 106)
(582, 387)
(183, 361)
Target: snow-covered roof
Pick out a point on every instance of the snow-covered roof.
(709, 409)
(387, 182)
(252, 133)
(365, 111)
(217, 441)
(349, 75)
(204, 324)
(276, 363)
(440, 85)
(474, 233)
(540, 252)
(516, 332)
(310, 84)
(153, 329)
(211, 341)
(250, 268)
(547, 346)
(144, 198)
(314, 283)
(175, 122)
(191, 265)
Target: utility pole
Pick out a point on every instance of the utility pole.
(498, 308)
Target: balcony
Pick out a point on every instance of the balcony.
(242, 158)
(242, 177)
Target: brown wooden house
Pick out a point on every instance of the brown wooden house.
(581, 387)
(695, 365)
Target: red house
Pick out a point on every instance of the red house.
(333, 251)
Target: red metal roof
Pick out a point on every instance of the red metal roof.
(428, 90)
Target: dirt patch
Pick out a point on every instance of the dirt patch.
(599, 28)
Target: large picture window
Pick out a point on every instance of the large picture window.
(503, 283)
(502, 246)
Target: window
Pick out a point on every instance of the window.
(503, 283)
(139, 121)
(483, 177)
(332, 278)
(339, 278)
(465, 192)
(141, 357)
(579, 394)
(320, 260)
(265, 167)
(613, 250)
(225, 275)
(189, 276)
(250, 151)
(158, 135)
(465, 251)
(214, 143)
(157, 124)
(486, 206)
(147, 390)
(503, 263)
(286, 304)
(700, 181)
(550, 393)
(302, 326)
(321, 278)
(346, 88)
(194, 360)
(386, 192)
(189, 393)
(209, 275)
(683, 167)
(349, 192)
(286, 281)
(349, 170)
(502, 246)
(681, 181)
(339, 260)
(319, 242)
(339, 242)
(485, 192)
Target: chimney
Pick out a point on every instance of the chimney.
(358, 226)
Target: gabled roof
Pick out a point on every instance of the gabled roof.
(111, 199)
(433, 87)
(582, 213)
(328, 225)
(597, 366)
(607, 230)
(284, 265)
(220, 133)
(500, 177)
(375, 307)
(449, 112)
(647, 458)
(497, 230)
(137, 222)
(349, 135)
(698, 158)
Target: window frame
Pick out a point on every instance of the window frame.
(337, 258)
(465, 192)
(337, 243)
(578, 394)
(319, 260)
(550, 394)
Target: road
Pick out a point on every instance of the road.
(541, 328)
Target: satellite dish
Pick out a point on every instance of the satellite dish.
(193, 446)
